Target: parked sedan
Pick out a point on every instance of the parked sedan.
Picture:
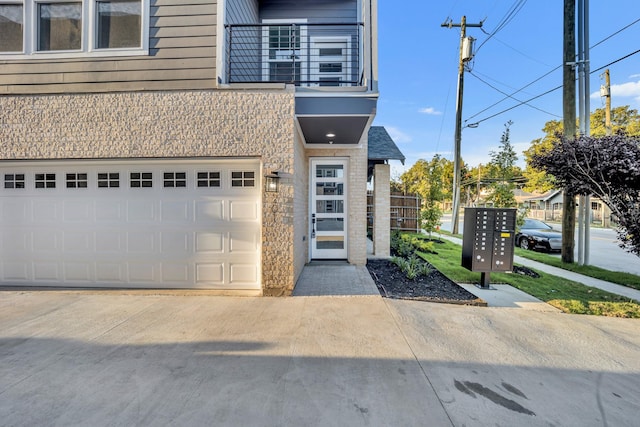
(535, 234)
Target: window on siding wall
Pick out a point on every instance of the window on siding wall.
(118, 24)
(11, 27)
(59, 26)
(63, 28)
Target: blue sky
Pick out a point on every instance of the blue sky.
(418, 62)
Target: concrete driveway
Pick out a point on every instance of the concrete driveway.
(97, 359)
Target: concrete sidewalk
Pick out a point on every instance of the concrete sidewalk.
(79, 358)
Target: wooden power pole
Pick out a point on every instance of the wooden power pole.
(465, 55)
(569, 122)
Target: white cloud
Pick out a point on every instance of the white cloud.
(430, 111)
(397, 135)
(624, 90)
(634, 76)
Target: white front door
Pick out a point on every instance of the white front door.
(330, 61)
(328, 209)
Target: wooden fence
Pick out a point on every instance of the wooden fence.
(405, 212)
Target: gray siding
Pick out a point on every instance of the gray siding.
(320, 11)
(242, 12)
(182, 55)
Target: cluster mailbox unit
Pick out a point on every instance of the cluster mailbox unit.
(488, 241)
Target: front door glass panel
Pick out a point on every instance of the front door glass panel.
(328, 209)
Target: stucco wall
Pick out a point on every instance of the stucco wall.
(222, 123)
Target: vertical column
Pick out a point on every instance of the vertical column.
(381, 210)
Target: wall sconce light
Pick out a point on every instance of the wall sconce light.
(271, 182)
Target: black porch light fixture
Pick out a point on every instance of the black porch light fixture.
(272, 182)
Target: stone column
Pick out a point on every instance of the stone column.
(381, 210)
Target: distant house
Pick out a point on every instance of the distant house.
(214, 145)
(548, 207)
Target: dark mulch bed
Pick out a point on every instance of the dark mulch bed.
(436, 287)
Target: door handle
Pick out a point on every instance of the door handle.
(313, 226)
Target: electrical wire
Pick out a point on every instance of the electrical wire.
(549, 72)
(510, 96)
(509, 16)
(552, 90)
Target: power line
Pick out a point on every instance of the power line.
(552, 90)
(511, 13)
(549, 72)
(513, 93)
(515, 99)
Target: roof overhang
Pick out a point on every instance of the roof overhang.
(339, 120)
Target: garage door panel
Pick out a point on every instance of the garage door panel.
(109, 273)
(141, 242)
(140, 210)
(243, 211)
(15, 271)
(45, 211)
(206, 234)
(243, 242)
(78, 241)
(45, 240)
(108, 241)
(210, 273)
(77, 211)
(176, 273)
(15, 241)
(178, 211)
(76, 271)
(209, 242)
(207, 210)
(175, 242)
(15, 211)
(46, 271)
(243, 274)
(143, 272)
(108, 210)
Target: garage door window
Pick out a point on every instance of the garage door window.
(175, 179)
(14, 180)
(109, 180)
(45, 180)
(243, 179)
(141, 179)
(209, 179)
(76, 180)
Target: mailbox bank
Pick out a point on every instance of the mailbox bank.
(488, 241)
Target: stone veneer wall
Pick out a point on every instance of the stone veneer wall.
(216, 123)
(357, 198)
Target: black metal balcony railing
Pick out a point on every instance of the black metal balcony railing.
(301, 54)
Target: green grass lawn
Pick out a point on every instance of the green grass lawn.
(625, 279)
(568, 296)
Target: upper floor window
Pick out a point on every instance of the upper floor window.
(55, 28)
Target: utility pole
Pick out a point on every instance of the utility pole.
(584, 212)
(605, 92)
(569, 123)
(465, 55)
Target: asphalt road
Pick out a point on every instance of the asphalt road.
(604, 250)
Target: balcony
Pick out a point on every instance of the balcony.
(310, 55)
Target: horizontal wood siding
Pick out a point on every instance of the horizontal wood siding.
(318, 11)
(182, 55)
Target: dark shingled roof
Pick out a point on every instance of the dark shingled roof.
(381, 146)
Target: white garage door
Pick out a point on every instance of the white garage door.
(159, 224)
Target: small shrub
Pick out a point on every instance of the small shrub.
(412, 267)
